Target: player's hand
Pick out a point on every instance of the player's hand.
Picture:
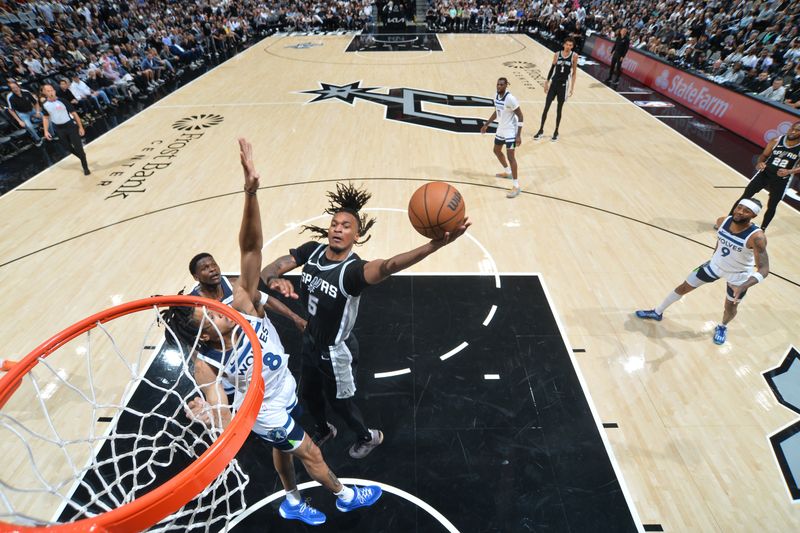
(300, 324)
(251, 176)
(571, 92)
(518, 141)
(47, 135)
(761, 166)
(283, 286)
(81, 131)
(200, 411)
(546, 87)
(782, 173)
(450, 236)
(484, 128)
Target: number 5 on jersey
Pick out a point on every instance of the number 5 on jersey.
(312, 304)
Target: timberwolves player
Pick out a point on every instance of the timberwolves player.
(562, 73)
(776, 165)
(226, 352)
(509, 133)
(212, 284)
(740, 257)
(331, 284)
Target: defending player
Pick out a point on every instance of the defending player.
(509, 133)
(226, 351)
(740, 257)
(563, 73)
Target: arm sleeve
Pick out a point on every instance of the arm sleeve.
(552, 70)
(302, 253)
(354, 281)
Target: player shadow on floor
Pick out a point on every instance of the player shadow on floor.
(663, 329)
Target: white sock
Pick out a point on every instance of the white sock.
(294, 497)
(346, 494)
(671, 298)
(515, 182)
(508, 170)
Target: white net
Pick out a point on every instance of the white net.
(101, 422)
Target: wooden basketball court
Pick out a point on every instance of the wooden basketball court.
(613, 216)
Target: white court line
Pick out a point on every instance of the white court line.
(490, 316)
(350, 481)
(454, 351)
(595, 415)
(256, 104)
(392, 373)
(491, 376)
(672, 116)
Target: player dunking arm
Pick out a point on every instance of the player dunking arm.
(740, 257)
(509, 133)
(563, 72)
(331, 284)
(227, 352)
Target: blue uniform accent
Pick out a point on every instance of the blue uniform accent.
(739, 238)
(227, 291)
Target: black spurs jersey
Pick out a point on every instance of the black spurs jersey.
(782, 157)
(331, 291)
(563, 71)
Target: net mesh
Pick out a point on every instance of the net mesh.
(104, 420)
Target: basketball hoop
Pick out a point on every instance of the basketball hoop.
(115, 508)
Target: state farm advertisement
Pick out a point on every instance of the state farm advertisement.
(756, 121)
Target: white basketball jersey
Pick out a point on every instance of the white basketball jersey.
(506, 118)
(733, 258)
(237, 368)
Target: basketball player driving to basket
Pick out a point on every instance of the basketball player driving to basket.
(225, 351)
(332, 281)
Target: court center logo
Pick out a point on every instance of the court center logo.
(407, 105)
(197, 122)
(784, 380)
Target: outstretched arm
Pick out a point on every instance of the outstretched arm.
(251, 238)
(213, 411)
(271, 274)
(380, 269)
(276, 306)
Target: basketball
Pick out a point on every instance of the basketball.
(436, 208)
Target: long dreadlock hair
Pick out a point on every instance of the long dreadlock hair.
(348, 199)
(181, 321)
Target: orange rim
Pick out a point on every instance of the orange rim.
(175, 493)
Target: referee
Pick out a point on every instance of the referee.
(67, 124)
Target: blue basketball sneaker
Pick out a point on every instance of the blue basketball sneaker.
(649, 314)
(720, 334)
(365, 496)
(303, 512)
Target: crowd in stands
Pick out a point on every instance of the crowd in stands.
(103, 53)
(751, 45)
